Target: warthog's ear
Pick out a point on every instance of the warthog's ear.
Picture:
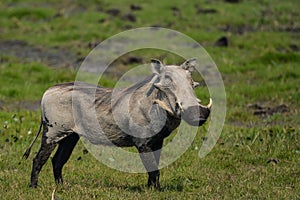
(189, 64)
(157, 66)
(158, 69)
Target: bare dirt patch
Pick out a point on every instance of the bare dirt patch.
(50, 56)
(266, 110)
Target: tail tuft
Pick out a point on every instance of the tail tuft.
(27, 153)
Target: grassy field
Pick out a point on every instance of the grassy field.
(258, 153)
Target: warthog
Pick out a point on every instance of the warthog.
(141, 115)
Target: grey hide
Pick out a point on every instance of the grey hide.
(141, 115)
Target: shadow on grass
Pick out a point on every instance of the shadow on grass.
(176, 185)
(143, 188)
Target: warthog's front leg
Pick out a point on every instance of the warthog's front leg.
(150, 155)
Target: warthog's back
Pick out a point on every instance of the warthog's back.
(84, 109)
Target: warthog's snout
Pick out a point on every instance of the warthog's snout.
(197, 115)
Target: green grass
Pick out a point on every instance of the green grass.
(256, 157)
(28, 81)
(240, 166)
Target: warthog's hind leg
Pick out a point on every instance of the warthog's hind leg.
(62, 155)
(39, 160)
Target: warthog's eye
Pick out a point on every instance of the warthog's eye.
(168, 81)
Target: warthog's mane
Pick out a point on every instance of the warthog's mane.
(121, 92)
(103, 95)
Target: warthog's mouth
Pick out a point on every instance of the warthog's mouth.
(196, 115)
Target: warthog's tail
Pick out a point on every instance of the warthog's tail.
(27, 152)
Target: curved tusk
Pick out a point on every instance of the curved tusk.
(209, 104)
(195, 84)
(198, 100)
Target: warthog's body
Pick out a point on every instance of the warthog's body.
(141, 115)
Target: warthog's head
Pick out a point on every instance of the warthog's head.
(176, 94)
